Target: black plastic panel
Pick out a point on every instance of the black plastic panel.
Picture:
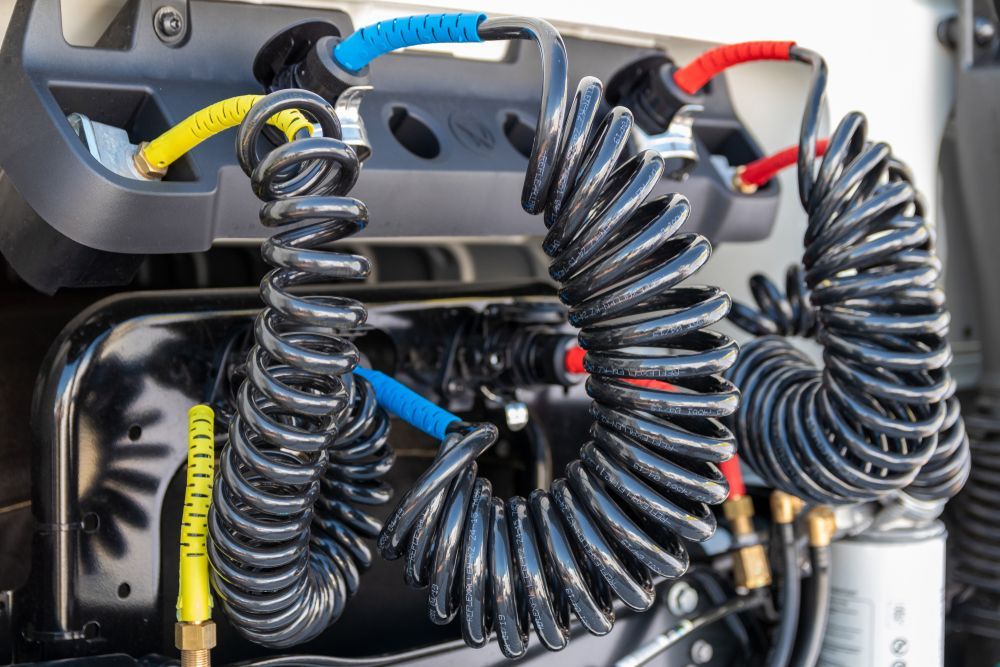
(107, 491)
(449, 169)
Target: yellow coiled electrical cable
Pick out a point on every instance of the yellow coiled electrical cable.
(163, 151)
(194, 599)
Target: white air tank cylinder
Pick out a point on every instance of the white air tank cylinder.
(887, 599)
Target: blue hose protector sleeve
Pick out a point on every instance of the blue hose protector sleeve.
(365, 45)
(407, 404)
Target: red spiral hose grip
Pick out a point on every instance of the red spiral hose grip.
(693, 76)
(731, 470)
(759, 172)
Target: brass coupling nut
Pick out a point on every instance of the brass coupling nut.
(822, 525)
(195, 641)
(751, 569)
(146, 168)
(740, 185)
(784, 507)
(739, 513)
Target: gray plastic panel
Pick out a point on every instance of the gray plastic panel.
(470, 188)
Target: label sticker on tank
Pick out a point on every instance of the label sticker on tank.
(848, 634)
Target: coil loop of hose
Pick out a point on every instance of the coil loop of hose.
(880, 416)
(977, 519)
(644, 481)
(308, 444)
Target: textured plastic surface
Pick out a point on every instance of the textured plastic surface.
(693, 76)
(407, 404)
(370, 42)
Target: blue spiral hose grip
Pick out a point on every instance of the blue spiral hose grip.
(407, 404)
(365, 45)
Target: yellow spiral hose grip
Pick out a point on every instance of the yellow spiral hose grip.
(163, 151)
(194, 599)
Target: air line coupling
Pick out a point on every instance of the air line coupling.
(785, 507)
(822, 526)
(195, 641)
(751, 569)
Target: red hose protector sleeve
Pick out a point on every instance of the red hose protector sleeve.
(693, 76)
(759, 172)
(573, 362)
(731, 470)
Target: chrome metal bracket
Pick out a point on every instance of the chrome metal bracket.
(352, 126)
(677, 145)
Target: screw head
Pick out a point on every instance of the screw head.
(682, 599)
(496, 361)
(168, 23)
(701, 652)
(983, 30)
(516, 415)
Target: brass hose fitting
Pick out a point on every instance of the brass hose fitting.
(739, 184)
(822, 525)
(195, 641)
(146, 168)
(739, 511)
(751, 569)
(784, 507)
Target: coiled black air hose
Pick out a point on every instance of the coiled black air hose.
(880, 416)
(308, 443)
(645, 480)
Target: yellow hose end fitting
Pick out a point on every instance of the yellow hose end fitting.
(195, 641)
(784, 507)
(154, 158)
(822, 525)
(194, 597)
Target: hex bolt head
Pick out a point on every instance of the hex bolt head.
(496, 361)
(701, 652)
(682, 599)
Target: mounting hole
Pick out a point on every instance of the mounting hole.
(520, 135)
(134, 432)
(91, 522)
(91, 630)
(124, 590)
(413, 134)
